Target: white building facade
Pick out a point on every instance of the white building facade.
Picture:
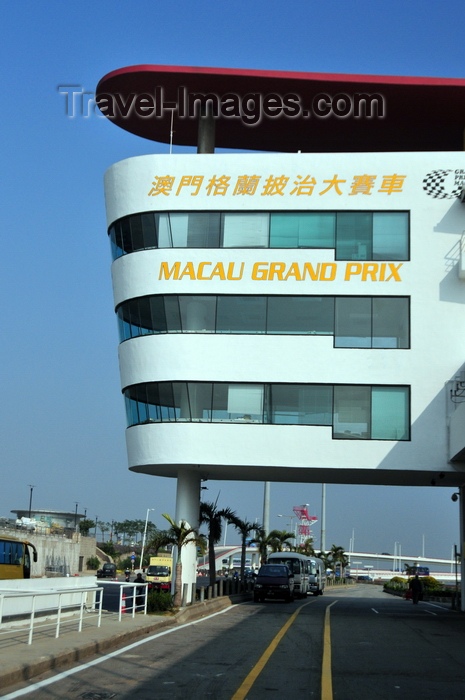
(291, 317)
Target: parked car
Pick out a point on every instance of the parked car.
(274, 581)
(108, 570)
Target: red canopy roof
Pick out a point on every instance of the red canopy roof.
(419, 114)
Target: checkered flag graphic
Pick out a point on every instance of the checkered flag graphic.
(434, 185)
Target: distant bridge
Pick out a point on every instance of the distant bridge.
(360, 563)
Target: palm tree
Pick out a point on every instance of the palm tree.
(211, 516)
(325, 558)
(180, 535)
(278, 538)
(245, 527)
(338, 557)
(262, 540)
(157, 541)
(307, 547)
(103, 527)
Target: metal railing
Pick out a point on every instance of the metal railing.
(130, 598)
(59, 610)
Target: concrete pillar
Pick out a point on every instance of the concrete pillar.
(266, 508)
(206, 134)
(462, 546)
(187, 509)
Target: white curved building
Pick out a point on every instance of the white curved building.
(291, 317)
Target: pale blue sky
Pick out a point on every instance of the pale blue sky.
(62, 416)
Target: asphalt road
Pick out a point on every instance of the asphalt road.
(355, 643)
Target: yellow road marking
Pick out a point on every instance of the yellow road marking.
(250, 679)
(326, 675)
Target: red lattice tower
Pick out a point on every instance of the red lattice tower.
(306, 521)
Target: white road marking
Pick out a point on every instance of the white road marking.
(65, 674)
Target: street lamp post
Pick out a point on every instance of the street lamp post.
(75, 515)
(31, 489)
(144, 537)
(294, 527)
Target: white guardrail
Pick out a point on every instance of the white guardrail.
(31, 604)
(125, 597)
(56, 603)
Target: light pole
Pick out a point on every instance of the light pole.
(291, 518)
(75, 515)
(31, 487)
(144, 537)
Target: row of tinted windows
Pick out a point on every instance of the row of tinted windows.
(354, 235)
(11, 552)
(352, 411)
(356, 322)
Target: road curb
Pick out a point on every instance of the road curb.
(80, 652)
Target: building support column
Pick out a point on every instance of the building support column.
(187, 509)
(462, 546)
(206, 134)
(266, 508)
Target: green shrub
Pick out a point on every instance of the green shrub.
(93, 563)
(396, 583)
(159, 601)
(430, 583)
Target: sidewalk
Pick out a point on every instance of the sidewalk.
(20, 661)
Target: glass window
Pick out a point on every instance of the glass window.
(241, 314)
(124, 325)
(246, 230)
(200, 400)
(163, 395)
(144, 315)
(352, 412)
(353, 322)
(163, 227)
(354, 235)
(390, 236)
(116, 241)
(157, 314)
(137, 237)
(359, 322)
(220, 402)
(245, 402)
(299, 404)
(179, 224)
(132, 417)
(125, 233)
(173, 314)
(391, 322)
(321, 315)
(355, 412)
(203, 230)
(198, 313)
(308, 315)
(302, 230)
(390, 413)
